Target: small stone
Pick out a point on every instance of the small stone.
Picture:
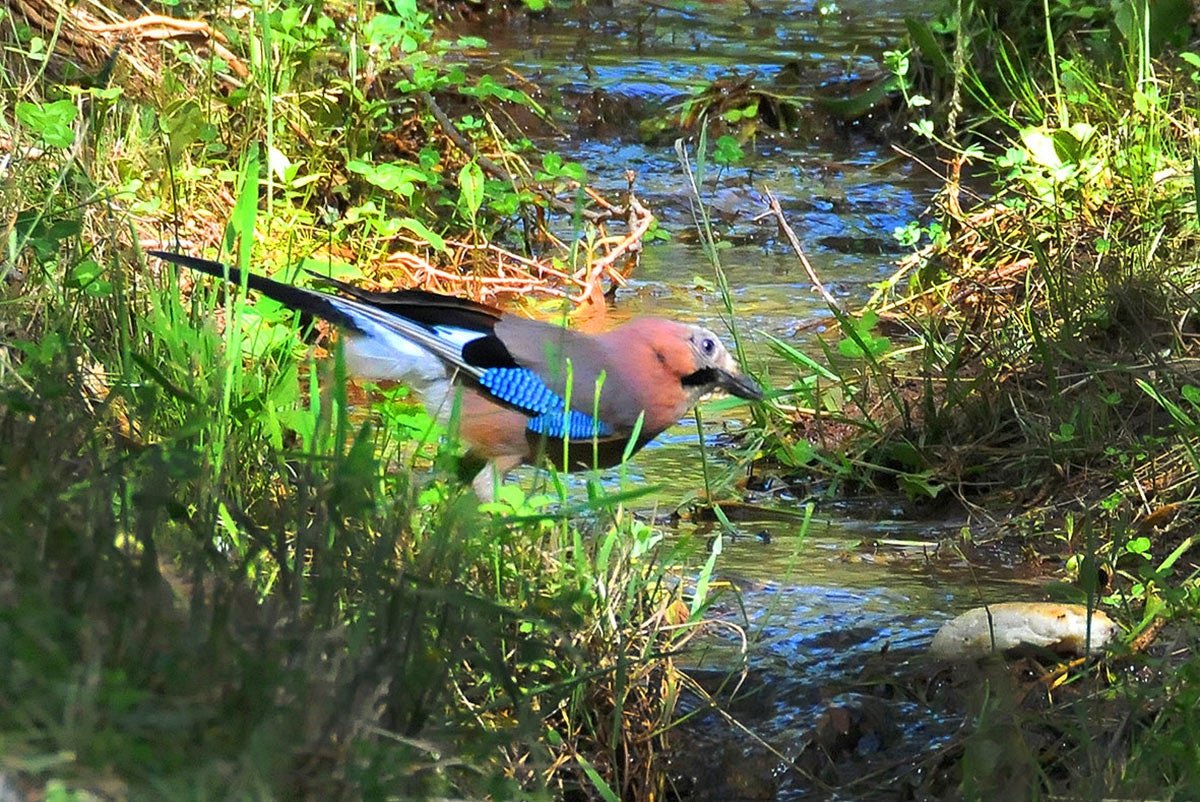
(1060, 628)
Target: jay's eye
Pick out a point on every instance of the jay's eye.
(709, 346)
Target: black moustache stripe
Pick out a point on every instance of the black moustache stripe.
(701, 378)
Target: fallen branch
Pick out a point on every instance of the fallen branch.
(787, 232)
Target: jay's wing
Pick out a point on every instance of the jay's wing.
(460, 335)
(517, 367)
(442, 312)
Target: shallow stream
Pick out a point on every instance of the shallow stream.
(866, 578)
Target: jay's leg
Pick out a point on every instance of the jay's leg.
(492, 475)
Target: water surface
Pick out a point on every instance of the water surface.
(864, 579)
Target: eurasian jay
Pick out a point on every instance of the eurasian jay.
(510, 375)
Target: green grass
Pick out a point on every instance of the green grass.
(1026, 319)
(1048, 372)
(1033, 362)
(221, 579)
(217, 586)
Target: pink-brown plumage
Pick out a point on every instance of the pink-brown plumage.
(510, 376)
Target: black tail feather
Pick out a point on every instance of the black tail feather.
(310, 302)
(421, 306)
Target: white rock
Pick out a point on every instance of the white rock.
(1061, 628)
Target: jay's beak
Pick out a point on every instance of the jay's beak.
(739, 384)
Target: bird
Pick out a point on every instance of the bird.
(524, 389)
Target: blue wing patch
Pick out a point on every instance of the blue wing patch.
(522, 388)
(525, 390)
(573, 426)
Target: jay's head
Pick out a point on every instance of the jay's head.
(694, 356)
(715, 368)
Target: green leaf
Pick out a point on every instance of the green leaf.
(239, 228)
(700, 596)
(727, 150)
(795, 455)
(906, 455)
(1139, 545)
(926, 42)
(343, 271)
(1170, 406)
(798, 357)
(470, 183)
(434, 240)
(602, 788)
(50, 121)
(855, 106)
(862, 343)
(1065, 433)
(1196, 185)
(575, 171)
(105, 92)
(1040, 146)
(398, 178)
(279, 163)
(86, 276)
(917, 485)
(923, 127)
(1071, 143)
(745, 113)
(553, 166)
